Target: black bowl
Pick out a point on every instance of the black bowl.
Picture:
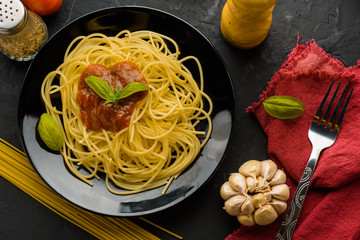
(50, 166)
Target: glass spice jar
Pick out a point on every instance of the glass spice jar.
(22, 32)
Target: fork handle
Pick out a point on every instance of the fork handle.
(288, 225)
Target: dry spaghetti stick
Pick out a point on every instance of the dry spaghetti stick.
(165, 230)
(130, 225)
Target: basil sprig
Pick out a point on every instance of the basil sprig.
(283, 107)
(104, 90)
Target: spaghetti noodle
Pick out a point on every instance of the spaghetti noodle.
(162, 138)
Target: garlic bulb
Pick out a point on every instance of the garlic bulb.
(257, 193)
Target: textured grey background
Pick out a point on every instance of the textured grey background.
(335, 26)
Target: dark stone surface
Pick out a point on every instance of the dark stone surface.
(335, 26)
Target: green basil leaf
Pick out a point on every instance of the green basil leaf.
(283, 107)
(99, 86)
(104, 90)
(50, 132)
(132, 88)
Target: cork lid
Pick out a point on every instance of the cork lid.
(12, 13)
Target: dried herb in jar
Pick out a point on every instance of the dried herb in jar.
(22, 32)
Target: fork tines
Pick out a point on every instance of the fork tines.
(335, 120)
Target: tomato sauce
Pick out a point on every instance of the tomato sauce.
(94, 112)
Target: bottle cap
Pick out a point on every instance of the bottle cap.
(12, 15)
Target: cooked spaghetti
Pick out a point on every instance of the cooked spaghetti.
(162, 137)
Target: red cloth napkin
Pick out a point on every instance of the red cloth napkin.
(332, 206)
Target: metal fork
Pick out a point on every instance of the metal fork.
(322, 134)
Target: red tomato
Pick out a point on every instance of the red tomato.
(43, 7)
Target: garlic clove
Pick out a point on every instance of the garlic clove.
(247, 207)
(280, 192)
(250, 168)
(226, 191)
(265, 215)
(261, 184)
(265, 188)
(238, 182)
(246, 219)
(279, 206)
(251, 184)
(268, 195)
(278, 178)
(259, 200)
(268, 169)
(233, 205)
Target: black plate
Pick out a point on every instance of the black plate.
(50, 166)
